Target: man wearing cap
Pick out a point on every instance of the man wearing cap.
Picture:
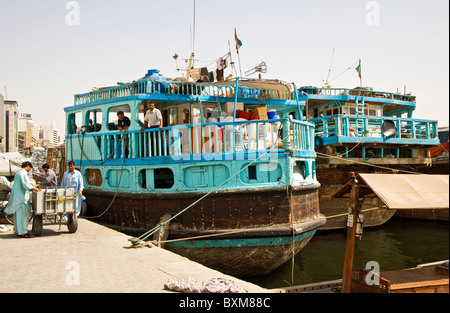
(19, 201)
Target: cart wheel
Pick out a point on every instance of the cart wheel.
(37, 225)
(72, 223)
(9, 218)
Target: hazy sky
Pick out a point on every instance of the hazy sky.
(48, 52)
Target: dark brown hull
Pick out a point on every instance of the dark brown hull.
(336, 211)
(248, 256)
(261, 218)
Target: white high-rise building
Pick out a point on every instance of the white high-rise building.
(9, 125)
(49, 136)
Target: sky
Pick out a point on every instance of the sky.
(53, 49)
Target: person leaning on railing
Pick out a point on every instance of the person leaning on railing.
(153, 119)
(123, 125)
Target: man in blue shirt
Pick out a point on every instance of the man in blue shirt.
(73, 178)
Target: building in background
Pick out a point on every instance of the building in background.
(18, 132)
(2, 124)
(9, 131)
(25, 131)
(49, 136)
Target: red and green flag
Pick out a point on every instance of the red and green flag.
(238, 41)
(358, 69)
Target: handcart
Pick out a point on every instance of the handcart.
(54, 205)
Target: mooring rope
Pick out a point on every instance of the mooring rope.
(149, 233)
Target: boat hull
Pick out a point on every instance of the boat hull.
(248, 232)
(244, 256)
(336, 211)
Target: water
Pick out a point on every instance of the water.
(396, 245)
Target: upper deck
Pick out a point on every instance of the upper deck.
(349, 116)
(250, 92)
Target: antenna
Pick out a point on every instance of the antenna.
(260, 68)
(193, 36)
(329, 71)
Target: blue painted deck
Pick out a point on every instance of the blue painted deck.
(352, 116)
(189, 157)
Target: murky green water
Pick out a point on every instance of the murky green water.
(396, 245)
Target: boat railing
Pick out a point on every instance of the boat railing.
(181, 88)
(235, 139)
(357, 126)
(356, 92)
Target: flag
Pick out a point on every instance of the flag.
(238, 42)
(358, 69)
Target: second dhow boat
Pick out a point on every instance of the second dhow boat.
(364, 131)
(220, 168)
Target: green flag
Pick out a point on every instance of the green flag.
(358, 69)
(238, 42)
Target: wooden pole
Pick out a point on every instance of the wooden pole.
(355, 206)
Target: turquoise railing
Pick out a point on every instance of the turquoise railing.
(371, 126)
(180, 88)
(196, 139)
(356, 92)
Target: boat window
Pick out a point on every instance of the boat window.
(163, 178)
(93, 121)
(252, 172)
(112, 115)
(142, 178)
(114, 177)
(74, 122)
(94, 177)
(316, 113)
(304, 169)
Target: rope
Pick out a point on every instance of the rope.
(109, 156)
(221, 234)
(144, 236)
(121, 171)
(327, 156)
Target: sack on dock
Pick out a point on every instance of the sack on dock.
(214, 285)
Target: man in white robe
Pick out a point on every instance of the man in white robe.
(19, 201)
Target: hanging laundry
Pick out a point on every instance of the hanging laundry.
(211, 76)
(204, 75)
(219, 75)
(221, 64)
(194, 73)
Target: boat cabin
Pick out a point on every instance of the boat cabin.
(381, 123)
(205, 125)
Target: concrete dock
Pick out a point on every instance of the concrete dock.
(95, 259)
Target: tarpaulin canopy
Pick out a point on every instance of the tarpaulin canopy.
(403, 191)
